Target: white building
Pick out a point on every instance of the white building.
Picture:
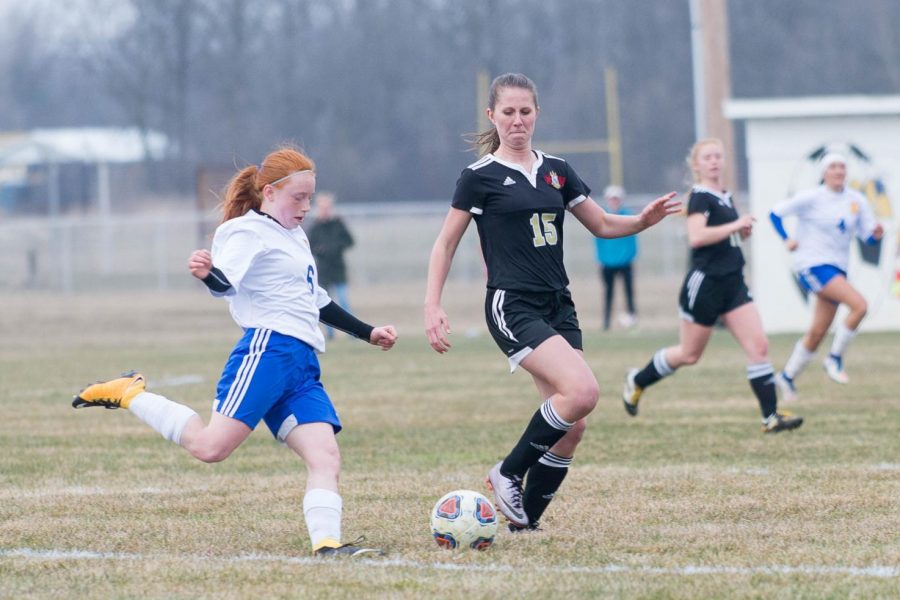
(783, 138)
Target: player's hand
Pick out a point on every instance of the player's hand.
(384, 337)
(790, 244)
(878, 232)
(744, 225)
(659, 209)
(437, 328)
(200, 263)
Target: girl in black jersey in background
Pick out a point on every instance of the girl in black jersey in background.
(518, 197)
(714, 287)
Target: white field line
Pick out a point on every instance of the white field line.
(689, 570)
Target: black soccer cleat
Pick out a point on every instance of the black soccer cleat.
(781, 421)
(351, 549)
(531, 527)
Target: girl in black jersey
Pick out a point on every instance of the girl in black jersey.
(714, 288)
(518, 197)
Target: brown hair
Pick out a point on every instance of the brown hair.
(244, 191)
(489, 140)
(695, 151)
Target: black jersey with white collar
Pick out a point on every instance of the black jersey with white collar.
(520, 218)
(723, 257)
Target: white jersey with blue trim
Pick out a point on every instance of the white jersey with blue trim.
(826, 223)
(273, 277)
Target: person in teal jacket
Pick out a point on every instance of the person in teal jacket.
(615, 256)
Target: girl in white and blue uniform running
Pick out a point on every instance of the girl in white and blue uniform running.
(828, 217)
(261, 263)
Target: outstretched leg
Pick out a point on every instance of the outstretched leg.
(175, 422)
(693, 338)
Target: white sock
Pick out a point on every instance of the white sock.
(843, 335)
(166, 417)
(322, 510)
(800, 357)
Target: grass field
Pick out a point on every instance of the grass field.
(689, 500)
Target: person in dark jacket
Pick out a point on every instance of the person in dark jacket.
(329, 239)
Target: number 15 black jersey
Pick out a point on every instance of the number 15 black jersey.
(520, 218)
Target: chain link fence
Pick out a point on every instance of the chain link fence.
(393, 243)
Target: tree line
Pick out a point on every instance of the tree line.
(380, 92)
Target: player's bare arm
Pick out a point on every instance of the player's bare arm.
(607, 225)
(700, 234)
(437, 325)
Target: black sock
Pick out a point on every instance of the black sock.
(655, 370)
(544, 478)
(762, 380)
(545, 429)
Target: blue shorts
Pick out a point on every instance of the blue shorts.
(274, 377)
(815, 278)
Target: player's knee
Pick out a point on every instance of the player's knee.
(211, 453)
(691, 357)
(325, 460)
(759, 350)
(585, 394)
(860, 308)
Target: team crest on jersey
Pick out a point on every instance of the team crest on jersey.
(555, 180)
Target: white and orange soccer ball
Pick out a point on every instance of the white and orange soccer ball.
(464, 519)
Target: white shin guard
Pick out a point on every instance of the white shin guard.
(843, 335)
(800, 357)
(166, 417)
(322, 511)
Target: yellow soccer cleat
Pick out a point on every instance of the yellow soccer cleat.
(115, 393)
(331, 548)
(631, 394)
(781, 421)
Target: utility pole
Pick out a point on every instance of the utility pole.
(712, 77)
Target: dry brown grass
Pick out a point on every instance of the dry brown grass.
(688, 500)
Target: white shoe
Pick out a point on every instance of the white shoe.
(786, 386)
(834, 366)
(508, 492)
(627, 320)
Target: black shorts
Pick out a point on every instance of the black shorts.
(520, 321)
(704, 298)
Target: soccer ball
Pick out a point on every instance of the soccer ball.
(464, 519)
